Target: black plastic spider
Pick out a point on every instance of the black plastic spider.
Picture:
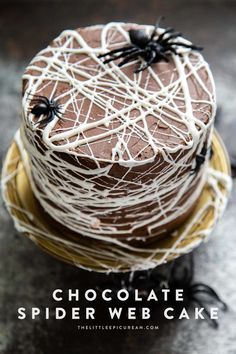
(180, 276)
(151, 49)
(201, 158)
(198, 293)
(44, 106)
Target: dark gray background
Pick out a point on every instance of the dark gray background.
(27, 275)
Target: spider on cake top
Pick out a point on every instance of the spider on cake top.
(150, 48)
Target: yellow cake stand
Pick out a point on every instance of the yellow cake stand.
(31, 220)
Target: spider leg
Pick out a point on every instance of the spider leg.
(210, 320)
(206, 292)
(203, 288)
(171, 49)
(148, 63)
(164, 56)
(57, 114)
(39, 97)
(46, 120)
(131, 56)
(37, 100)
(160, 18)
(124, 54)
(172, 36)
(124, 49)
(57, 110)
(58, 106)
(191, 46)
(168, 30)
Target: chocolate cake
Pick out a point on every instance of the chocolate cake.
(115, 151)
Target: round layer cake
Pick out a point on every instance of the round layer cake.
(126, 154)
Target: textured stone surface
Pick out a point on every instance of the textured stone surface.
(27, 275)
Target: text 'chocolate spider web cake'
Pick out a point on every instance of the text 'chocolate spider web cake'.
(115, 152)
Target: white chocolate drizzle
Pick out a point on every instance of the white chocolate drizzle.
(107, 256)
(94, 201)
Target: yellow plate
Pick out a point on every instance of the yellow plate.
(31, 220)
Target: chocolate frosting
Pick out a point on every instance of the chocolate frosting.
(119, 162)
(145, 106)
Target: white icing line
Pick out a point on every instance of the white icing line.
(83, 198)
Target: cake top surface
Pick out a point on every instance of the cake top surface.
(111, 113)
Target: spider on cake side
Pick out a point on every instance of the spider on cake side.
(45, 107)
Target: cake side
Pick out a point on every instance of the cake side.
(119, 162)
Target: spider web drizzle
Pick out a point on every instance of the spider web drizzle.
(111, 256)
(151, 125)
